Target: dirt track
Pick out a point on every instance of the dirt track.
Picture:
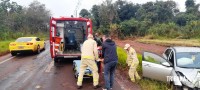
(140, 47)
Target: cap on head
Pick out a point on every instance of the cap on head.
(90, 36)
(127, 46)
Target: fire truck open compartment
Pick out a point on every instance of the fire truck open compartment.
(73, 34)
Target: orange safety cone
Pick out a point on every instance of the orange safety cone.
(57, 43)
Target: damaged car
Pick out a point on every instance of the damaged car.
(179, 66)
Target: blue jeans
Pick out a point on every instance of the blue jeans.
(109, 70)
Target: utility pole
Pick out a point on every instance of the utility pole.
(76, 8)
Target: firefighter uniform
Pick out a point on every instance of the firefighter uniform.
(132, 62)
(88, 56)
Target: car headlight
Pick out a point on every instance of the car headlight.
(184, 80)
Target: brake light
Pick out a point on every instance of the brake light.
(29, 44)
(12, 44)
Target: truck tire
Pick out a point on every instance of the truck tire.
(55, 60)
(13, 53)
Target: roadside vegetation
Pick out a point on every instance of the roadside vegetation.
(4, 47)
(19, 21)
(145, 83)
(159, 19)
(172, 42)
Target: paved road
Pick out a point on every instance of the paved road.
(37, 72)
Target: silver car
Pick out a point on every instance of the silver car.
(179, 66)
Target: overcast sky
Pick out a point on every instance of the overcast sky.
(67, 7)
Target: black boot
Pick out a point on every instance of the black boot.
(97, 86)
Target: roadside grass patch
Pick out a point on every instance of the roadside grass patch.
(145, 83)
(4, 47)
(172, 42)
(149, 84)
(121, 57)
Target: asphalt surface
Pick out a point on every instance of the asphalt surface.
(38, 72)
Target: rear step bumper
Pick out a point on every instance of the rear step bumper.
(68, 56)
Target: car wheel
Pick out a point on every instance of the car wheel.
(44, 46)
(38, 49)
(13, 53)
(76, 75)
(177, 87)
(74, 67)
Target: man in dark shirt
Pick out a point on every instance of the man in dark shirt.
(97, 39)
(110, 61)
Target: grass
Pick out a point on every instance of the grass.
(145, 83)
(4, 47)
(171, 42)
(121, 57)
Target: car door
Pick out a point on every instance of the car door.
(154, 68)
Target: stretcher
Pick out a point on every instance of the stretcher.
(88, 71)
(76, 68)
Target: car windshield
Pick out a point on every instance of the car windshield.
(23, 39)
(188, 59)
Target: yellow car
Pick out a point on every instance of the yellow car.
(26, 44)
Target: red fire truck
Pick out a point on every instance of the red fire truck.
(67, 35)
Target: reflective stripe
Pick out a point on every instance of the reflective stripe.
(132, 79)
(80, 80)
(57, 44)
(87, 57)
(95, 80)
(57, 50)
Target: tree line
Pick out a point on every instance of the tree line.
(153, 19)
(17, 20)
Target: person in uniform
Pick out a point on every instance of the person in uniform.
(132, 62)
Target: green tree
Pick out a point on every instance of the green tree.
(189, 3)
(95, 16)
(126, 10)
(37, 17)
(157, 12)
(84, 13)
(192, 7)
(18, 21)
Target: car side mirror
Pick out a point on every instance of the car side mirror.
(165, 64)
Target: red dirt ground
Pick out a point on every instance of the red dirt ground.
(140, 47)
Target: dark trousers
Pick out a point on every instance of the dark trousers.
(109, 70)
